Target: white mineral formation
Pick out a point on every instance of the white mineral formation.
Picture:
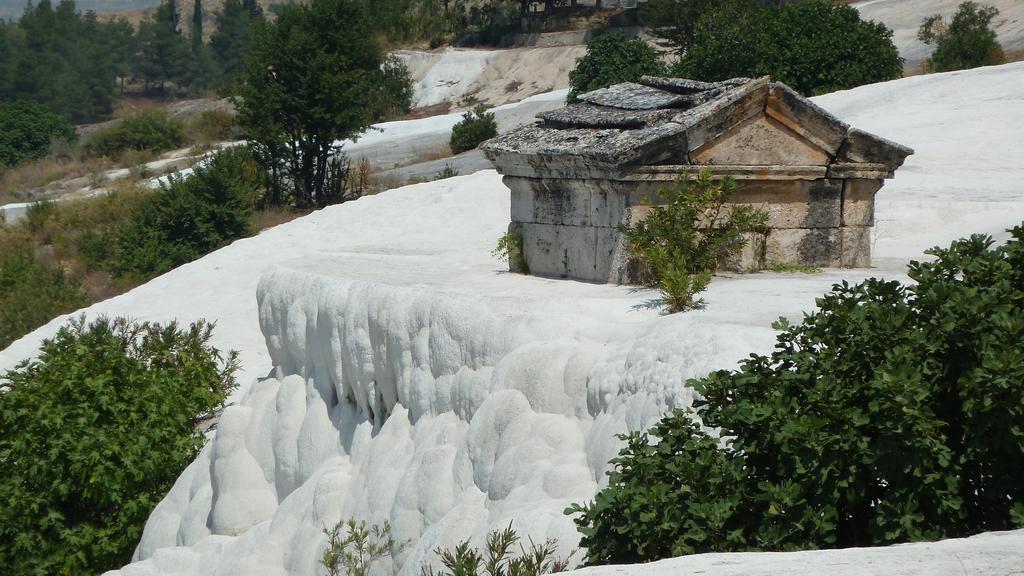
(392, 372)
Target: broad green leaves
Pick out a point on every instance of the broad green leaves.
(92, 435)
(893, 413)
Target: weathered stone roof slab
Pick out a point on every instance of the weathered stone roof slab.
(861, 146)
(677, 85)
(633, 96)
(806, 118)
(583, 115)
(708, 121)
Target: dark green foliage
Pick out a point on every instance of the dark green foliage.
(31, 293)
(93, 433)
(477, 125)
(62, 59)
(489, 22)
(892, 413)
(686, 236)
(815, 47)
(313, 77)
(231, 39)
(966, 42)
(152, 130)
(26, 130)
(407, 21)
(394, 97)
(499, 558)
(675, 21)
(611, 58)
(164, 54)
(189, 217)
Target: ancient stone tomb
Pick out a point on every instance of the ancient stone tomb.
(584, 169)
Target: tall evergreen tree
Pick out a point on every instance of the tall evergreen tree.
(197, 26)
(164, 55)
(236, 23)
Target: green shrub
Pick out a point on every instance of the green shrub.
(687, 235)
(189, 216)
(448, 171)
(966, 42)
(815, 47)
(476, 126)
(32, 293)
(499, 558)
(394, 91)
(611, 58)
(26, 130)
(211, 126)
(152, 130)
(352, 548)
(93, 433)
(892, 413)
(510, 249)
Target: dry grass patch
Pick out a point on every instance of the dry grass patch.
(32, 180)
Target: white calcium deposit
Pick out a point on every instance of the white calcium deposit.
(392, 371)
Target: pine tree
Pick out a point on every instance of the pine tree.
(164, 55)
(197, 27)
(233, 37)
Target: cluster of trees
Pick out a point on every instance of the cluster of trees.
(76, 65)
(815, 46)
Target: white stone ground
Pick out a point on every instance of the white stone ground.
(408, 379)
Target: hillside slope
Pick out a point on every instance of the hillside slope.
(391, 371)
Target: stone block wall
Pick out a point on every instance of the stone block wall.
(570, 226)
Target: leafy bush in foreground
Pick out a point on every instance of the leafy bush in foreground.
(26, 129)
(893, 413)
(965, 42)
(476, 126)
(93, 433)
(189, 216)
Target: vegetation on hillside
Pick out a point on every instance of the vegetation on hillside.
(63, 256)
(93, 433)
(314, 76)
(611, 58)
(967, 41)
(815, 46)
(892, 413)
(27, 129)
(477, 126)
(31, 292)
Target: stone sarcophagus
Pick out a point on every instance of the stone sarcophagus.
(584, 169)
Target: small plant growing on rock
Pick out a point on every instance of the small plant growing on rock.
(510, 249)
(499, 559)
(448, 171)
(352, 547)
(688, 234)
(476, 126)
